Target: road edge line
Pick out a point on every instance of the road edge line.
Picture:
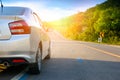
(18, 76)
(105, 52)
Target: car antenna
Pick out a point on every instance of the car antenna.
(1, 5)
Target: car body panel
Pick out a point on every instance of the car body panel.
(4, 29)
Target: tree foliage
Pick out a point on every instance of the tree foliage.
(87, 25)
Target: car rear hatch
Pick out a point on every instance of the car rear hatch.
(4, 27)
(12, 23)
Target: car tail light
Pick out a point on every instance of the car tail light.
(19, 27)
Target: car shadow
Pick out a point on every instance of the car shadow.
(77, 69)
(11, 72)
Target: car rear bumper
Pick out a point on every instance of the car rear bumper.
(12, 61)
(17, 47)
(28, 56)
(16, 43)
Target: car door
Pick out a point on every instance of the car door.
(44, 37)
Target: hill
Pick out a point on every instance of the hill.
(103, 20)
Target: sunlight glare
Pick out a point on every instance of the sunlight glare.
(45, 13)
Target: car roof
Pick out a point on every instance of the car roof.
(13, 10)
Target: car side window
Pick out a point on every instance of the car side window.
(37, 19)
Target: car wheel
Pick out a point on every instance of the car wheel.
(35, 68)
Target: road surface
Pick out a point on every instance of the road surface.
(76, 60)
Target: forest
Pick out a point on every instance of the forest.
(101, 21)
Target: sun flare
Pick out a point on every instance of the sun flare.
(45, 13)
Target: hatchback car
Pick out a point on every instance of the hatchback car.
(23, 39)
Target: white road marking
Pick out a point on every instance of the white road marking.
(105, 52)
(17, 77)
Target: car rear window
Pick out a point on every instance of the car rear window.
(12, 11)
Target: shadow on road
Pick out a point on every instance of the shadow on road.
(11, 72)
(77, 69)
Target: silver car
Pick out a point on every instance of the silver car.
(23, 39)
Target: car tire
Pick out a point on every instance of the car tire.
(35, 68)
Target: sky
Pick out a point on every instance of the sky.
(50, 10)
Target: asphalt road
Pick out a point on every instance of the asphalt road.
(75, 60)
